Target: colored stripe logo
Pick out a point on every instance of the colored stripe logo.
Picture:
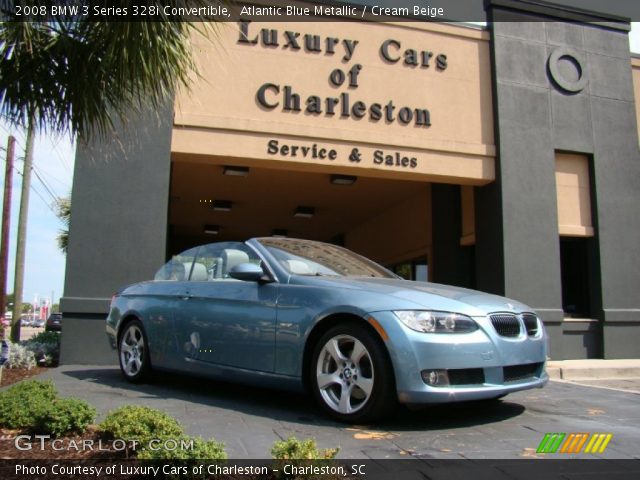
(574, 443)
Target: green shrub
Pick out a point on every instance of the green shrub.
(45, 347)
(42, 349)
(140, 423)
(45, 337)
(201, 450)
(66, 415)
(34, 405)
(294, 449)
(20, 357)
(24, 404)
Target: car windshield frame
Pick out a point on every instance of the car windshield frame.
(310, 258)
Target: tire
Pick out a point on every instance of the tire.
(133, 352)
(351, 376)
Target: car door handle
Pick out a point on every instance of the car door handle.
(185, 297)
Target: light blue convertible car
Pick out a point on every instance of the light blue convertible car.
(297, 314)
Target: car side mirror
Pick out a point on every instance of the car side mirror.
(249, 272)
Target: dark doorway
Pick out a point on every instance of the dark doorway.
(574, 258)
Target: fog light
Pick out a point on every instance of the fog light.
(435, 378)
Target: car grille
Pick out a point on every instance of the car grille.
(530, 324)
(506, 324)
(516, 373)
(466, 376)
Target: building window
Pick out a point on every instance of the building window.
(576, 229)
(573, 192)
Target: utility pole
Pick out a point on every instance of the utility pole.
(6, 222)
(22, 233)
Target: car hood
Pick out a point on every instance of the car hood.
(423, 295)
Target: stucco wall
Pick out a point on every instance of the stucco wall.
(537, 117)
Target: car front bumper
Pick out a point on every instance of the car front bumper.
(480, 365)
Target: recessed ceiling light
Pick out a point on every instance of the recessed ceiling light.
(222, 205)
(212, 229)
(279, 232)
(343, 179)
(235, 171)
(304, 212)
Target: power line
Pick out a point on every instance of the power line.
(44, 184)
(55, 147)
(40, 195)
(44, 201)
(61, 157)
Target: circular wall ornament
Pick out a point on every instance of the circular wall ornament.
(567, 70)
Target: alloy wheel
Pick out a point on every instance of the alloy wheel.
(345, 374)
(132, 351)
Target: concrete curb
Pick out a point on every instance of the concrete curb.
(593, 369)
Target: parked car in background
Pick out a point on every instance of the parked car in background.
(54, 323)
(38, 323)
(292, 313)
(26, 321)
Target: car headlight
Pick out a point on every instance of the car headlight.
(436, 322)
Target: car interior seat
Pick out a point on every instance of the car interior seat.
(230, 258)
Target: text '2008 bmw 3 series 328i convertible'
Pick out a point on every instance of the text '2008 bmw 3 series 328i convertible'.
(298, 314)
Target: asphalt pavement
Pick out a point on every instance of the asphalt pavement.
(249, 420)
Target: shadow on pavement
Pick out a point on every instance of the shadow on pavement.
(294, 407)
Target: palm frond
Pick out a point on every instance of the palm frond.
(78, 76)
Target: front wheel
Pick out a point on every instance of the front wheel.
(351, 375)
(133, 352)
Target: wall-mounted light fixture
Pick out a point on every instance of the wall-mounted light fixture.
(222, 205)
(212, 229)
(343, 179)
(235, 171)
(304, 212)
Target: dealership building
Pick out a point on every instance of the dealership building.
(502, 158)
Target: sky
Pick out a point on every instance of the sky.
(53, 163)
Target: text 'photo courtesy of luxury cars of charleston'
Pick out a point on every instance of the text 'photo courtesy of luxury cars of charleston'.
(302, 314)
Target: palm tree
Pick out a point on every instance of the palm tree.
(63, 212)
(71, 76)
(76, 76)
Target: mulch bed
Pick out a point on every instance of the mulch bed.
(13, 375)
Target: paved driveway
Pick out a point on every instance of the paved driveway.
(249, 419)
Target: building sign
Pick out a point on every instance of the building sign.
(410, 99)
(320, 152)
(274, 96)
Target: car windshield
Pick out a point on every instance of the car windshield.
(306, 257)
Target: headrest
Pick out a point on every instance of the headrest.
(298, 267)
(232, 257)
(199, 273)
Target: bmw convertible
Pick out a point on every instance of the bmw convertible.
(305, 315)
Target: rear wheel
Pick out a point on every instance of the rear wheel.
(351, 375)
(133, 352)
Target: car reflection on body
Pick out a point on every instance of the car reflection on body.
(298, 314)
